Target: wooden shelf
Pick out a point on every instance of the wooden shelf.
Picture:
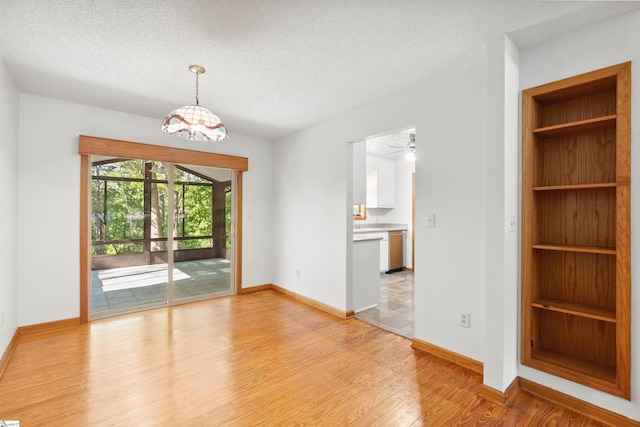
(575, 364)
(575, 187)
(577, 127)
(569, 248)
(576, 309)
(576, 240)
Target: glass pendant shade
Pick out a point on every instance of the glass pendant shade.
(194, 123)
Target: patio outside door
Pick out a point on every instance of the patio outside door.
(202, 250)
(149, 249)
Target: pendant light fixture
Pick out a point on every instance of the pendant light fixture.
(194, 122)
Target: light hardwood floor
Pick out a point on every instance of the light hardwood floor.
(255, 359)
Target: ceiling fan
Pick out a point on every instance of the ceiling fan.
(410, 148)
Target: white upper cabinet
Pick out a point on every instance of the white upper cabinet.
(359, 172)
(381, 183)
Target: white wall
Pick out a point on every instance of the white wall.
(312, 212)
(49, 199)
(310, 173)
(501, 298)
(450, 183)
(602, 45)
(9, 102)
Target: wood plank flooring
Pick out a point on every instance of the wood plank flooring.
(255, 359)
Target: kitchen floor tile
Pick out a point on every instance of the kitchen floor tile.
(394, 311)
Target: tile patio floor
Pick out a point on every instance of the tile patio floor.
(208, 276)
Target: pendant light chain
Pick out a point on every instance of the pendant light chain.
(197, 88)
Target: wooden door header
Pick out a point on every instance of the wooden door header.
(92, 145)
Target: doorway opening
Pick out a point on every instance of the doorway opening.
(390, 194)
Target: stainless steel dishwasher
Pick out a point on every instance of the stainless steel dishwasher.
(396, 250)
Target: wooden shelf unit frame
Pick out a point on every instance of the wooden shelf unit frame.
(576, 229)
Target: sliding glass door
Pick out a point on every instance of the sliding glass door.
(202, 232)
(160, 234)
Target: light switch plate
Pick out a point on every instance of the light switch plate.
(512, 223)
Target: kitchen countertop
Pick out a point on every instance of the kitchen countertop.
(378, 227)
(361, 238)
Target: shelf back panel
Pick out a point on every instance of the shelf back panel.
(576, 277)
(588, 339)
(583, 158)
(577, 217)
(598, 103)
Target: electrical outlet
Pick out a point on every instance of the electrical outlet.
(297, 273)
(465, 320)
(431, 220)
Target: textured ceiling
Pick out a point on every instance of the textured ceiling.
(273, 67)
(391, 145)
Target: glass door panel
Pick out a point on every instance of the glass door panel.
(128, 266)
(150, 249)
(201, 232)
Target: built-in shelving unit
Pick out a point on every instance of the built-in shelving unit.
(576, 271)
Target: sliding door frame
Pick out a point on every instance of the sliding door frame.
(94, 146)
